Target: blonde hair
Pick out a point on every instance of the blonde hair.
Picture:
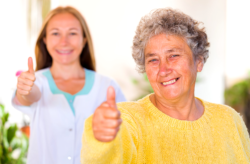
(43, 58)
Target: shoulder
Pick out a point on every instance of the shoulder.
(221, 111)
(42, 72)
(134, 108)
(102, 80)
(130, 106)
(42, 76)
(97, 76)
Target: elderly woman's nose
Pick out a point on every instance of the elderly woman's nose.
(164, 69)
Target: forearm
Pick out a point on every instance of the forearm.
(29, 99)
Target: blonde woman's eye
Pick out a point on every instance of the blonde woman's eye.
(72, 33)
(55, 33)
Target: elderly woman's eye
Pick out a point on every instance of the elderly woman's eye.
(152, 60)
(174, 56)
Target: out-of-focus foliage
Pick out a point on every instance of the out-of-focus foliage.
(238, 96)
(144, 85)
(239, 93)
(13, 148)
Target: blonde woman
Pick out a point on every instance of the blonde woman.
(64, 90)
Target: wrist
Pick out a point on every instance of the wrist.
(16, 101)
(21, 98)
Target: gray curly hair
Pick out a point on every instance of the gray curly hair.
(170, 22)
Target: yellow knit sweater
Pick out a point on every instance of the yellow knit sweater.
(147, 136)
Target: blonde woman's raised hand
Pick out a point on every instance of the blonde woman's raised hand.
(107, 119)
(26, 80)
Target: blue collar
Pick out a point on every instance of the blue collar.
(89, 82)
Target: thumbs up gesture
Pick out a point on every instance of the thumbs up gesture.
(26, 80)
(106, 119)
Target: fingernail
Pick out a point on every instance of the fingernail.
(18, 73)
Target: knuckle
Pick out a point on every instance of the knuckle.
(19, 86)
(102, 122)
(119, 122)
(29, 82)
(117, 129)
(116, 123)
(113, 132)
(19, 79)
(105, 139)
(100, 110)
(33, 78)
(97, 136)
(32, 84)
(95, 129)
(104, 104)
(95, 126)
(23, 93)
(18, 90)
(22, 74)
(117, 114)
(29, 88)
(112, 137)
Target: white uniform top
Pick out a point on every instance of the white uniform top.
(57, 119)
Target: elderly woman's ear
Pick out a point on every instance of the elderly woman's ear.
(199, 64)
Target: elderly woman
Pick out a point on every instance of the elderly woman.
(171, 125)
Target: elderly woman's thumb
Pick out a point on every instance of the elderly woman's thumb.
(111, 97)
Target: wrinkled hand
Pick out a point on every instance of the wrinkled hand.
(25, 81)
(107, 119)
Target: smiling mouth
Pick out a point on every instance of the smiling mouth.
(64, 52)
(170, 82)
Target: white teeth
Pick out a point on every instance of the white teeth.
(63, 52)
(169, 82)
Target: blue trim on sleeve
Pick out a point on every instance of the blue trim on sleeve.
(89, 82)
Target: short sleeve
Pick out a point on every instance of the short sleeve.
(119, 94)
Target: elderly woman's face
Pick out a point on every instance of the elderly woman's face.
(170, 66)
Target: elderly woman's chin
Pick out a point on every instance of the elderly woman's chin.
(172, 94)
(181, 88)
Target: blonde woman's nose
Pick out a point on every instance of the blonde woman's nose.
(64, 40)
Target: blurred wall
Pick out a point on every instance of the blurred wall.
(112, 24)
(237, 41)
(14, 50)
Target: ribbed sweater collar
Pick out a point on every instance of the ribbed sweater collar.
(159, 116)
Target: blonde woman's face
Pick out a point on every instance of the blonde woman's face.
(170, 67)
(64, 39)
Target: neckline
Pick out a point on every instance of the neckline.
(89, 80)
(175, 123)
